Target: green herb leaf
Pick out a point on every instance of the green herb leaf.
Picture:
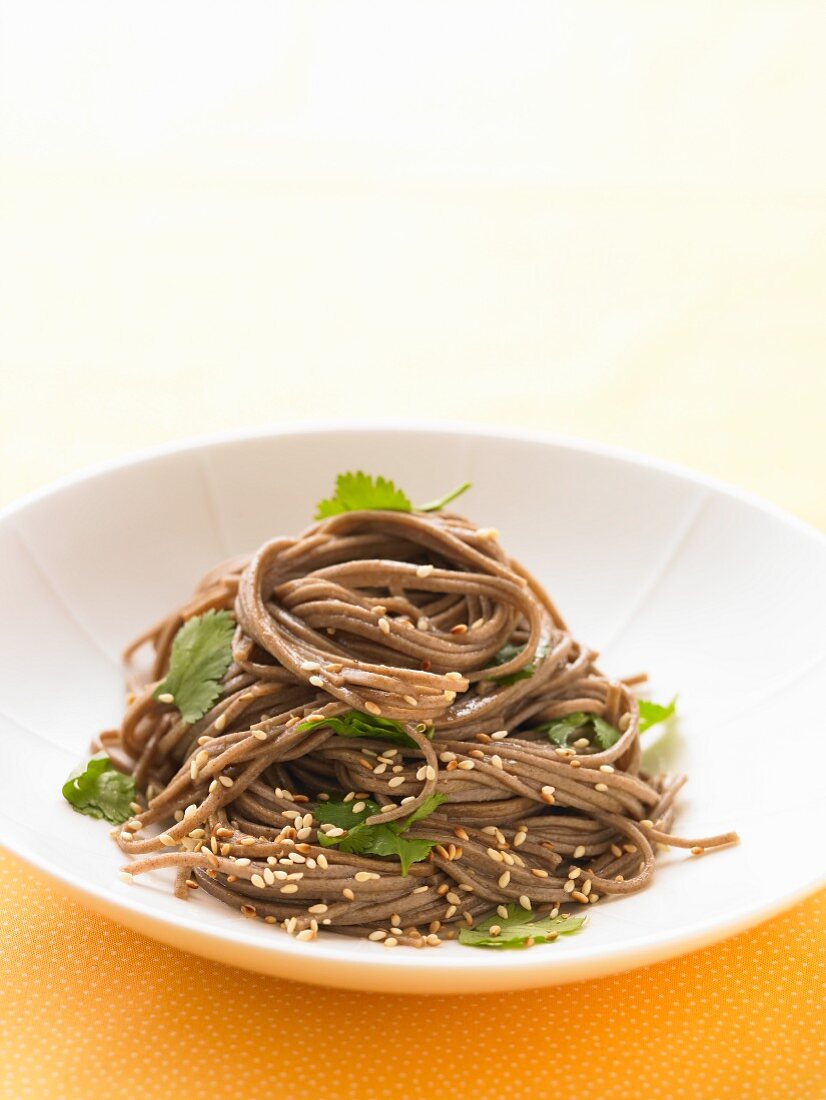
(519, 926)
(97, 789)
(201, 654)
(376, 840)
(507, 653)
(437, 505)
(357, 491)
(652, 713)
(355, 724)
(560, 730)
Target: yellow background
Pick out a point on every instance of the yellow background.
(607, 220)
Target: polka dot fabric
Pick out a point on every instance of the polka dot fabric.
(89, 1008)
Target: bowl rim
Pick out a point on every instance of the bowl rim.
(382, 972)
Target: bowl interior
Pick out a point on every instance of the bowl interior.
(718, 598)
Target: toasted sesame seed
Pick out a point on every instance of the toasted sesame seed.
(520, 838)
(430, 772)
(569, 886)
(525, 901)
(348, 893)
(575, 763)
(450, 911)
(269, 877)
(202, 758)
(606, 768)
(624, 723)
(379, 934)
(372, 708)
(191, 883)
(697, 850)
(496, 760)
(411, 700)
(601, 787)
(504, 879)
(166, 839)
(579, 851)
(616, 851)
(321, 860)
(395, 918)
(578, 895)
(575, 872)
(629, 847)
(466, 765)
(425, 570)
(256, 880)
(396, 781)
(391, 941)
(539, 872)
(499, 735)
(306, 934)
(453, 898)
(220, 722)
(225, 780)
(166, 698)
(647, 823)
(289, 888)
(586, 886)
(248, 910)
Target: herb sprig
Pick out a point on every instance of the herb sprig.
(357, 491)
(355, 724)
(376, 840)
(97, 789)
(201, 654)
(521, 928)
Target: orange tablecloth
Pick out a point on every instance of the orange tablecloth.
(91, 1010)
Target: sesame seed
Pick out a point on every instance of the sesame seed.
(502, 910)
(319, 908)
(396, 781)
(269, 877)
(348, 893)
(363, 876)
(496, 760)
(306, 934)
(520, 838)
(248, 910)
(191, 883)
(225, 780)
(124, 876)
(616, 850)
(321, 860)
(579, 851)
(166, 839)
(525, 901)
(425, 570)
(411, 700)
(539, 872)
(575, 872)
(647, 823)
(466, 765)
(629, 847)
(379, 934)
(289, 888)
(697, 850)
(569, 886)
(500, 735)
(624, 723)
(220, 722)
(372, 708)
(450, 911)
(358, 807)
(606, 768)
(259, 735)
(166, 698)
(586, 887)
(256, 880)
(575, 763)
(601, 787)
(578, 895)
(504, 879)
(242, 862)
(496, 856)
(391, 941)
(453, 898)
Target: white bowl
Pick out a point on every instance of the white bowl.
(718, 596)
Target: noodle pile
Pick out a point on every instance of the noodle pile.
(402, 616)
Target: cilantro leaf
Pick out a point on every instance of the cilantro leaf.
(357, 491)
(355, 724)
(507, 653)
(652, 713)
(518, 927)
(97, 789)
(201, 654)
(376, 840)
(561, 729)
